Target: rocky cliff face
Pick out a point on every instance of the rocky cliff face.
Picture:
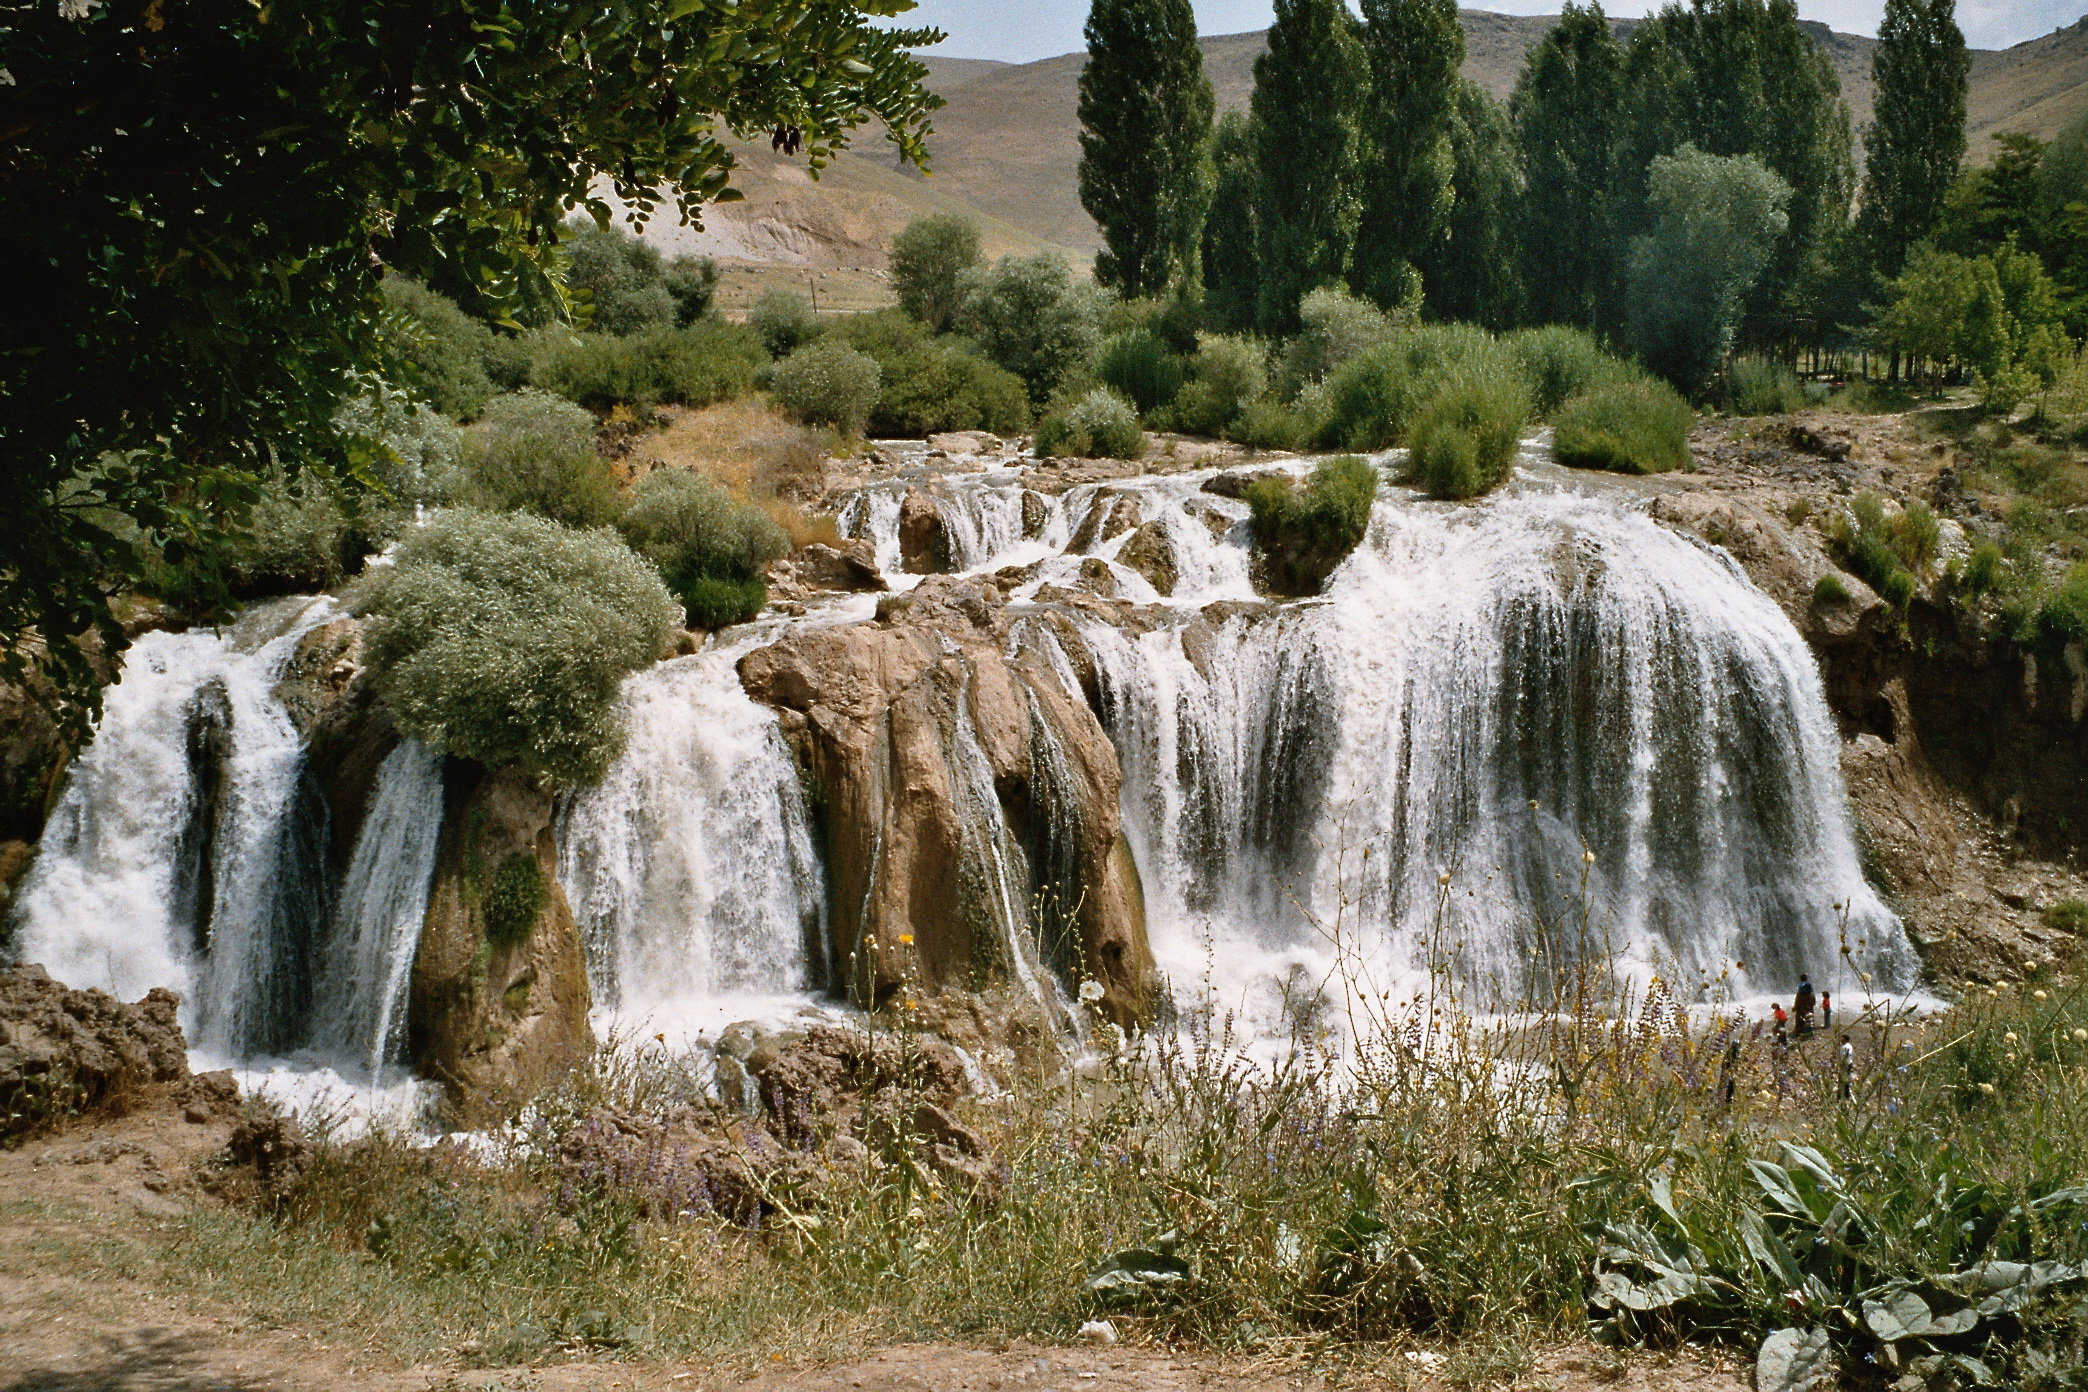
(496, 1011)
(960, 788)
(1964, 752)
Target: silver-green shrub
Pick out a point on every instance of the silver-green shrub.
(827, 384)
(503, 638)
(417, 457)
(1228, 374)
(712, 548)
(1335, 327)
(1101, 425)
(538, 455)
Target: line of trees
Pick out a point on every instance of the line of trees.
(1685, 192)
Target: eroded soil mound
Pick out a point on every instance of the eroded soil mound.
(64, 1051)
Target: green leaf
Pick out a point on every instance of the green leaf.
(1794, 1360)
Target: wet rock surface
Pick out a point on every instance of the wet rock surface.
(495, 1021)
(958, 784)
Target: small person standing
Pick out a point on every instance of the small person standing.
(1845, 1068)
(1782, 1023)
(1826, 1012)
(1802, 1007)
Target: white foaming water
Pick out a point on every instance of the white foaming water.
(169, 859)
(360, 1005)
(691, 867)
(1297, 779)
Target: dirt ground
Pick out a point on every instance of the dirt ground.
(92, 1218)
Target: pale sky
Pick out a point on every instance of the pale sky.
(1045, 28)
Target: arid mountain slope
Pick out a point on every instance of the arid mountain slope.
(1008, 141)
(1006, 147)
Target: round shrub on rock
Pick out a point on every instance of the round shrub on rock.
(1301, 534)
(503, 638)
(827, 384)
(1559, 363)
(1139, 366)
(1630, 428)
(1373, 399)
(1463, 442)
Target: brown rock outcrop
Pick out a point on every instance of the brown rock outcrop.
(849, 566)
(1151, 554)
(495, 1021)
(960, 786)
(924, 542)
(63, 1050)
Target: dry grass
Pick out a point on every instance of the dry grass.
(752, 449)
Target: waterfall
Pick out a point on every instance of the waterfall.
(360, 1011)
(691, 866)
(1495, 692)
(187, 849)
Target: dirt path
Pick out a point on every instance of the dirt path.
(91, 1221)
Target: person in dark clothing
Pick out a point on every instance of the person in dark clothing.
(1802, 1007)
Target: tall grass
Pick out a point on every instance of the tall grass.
(1409, 1164)
(1639, 427)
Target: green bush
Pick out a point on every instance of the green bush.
(294, 539)
(419, 457)
(1139, 366)
(2067, 916)
(1027, 314)
(1269, 425)
(514, 900)
(1916, 535)
(1639, 427)
(1301, 534)
(785, 320)
(1763, 387)
(1335, 327)
(712, 548)
(538, 455)
(1228, 374)
(827, 384)
(443, 347)
(1983, 570)
(2063, 617)
(1875, 548)
(1829, 589)
(1558, 363)
(504, 639)
(622, 280)
(1101, 425)
(943, 385)
(509, 357)
(1463, 442)
(707, 362)
(929, 256)
(692, 283)
(1373, 399)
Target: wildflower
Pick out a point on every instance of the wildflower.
(1864, 977)
(1587, 857)
(1443, 878)
(1986, 1089)
(2038, 995)
(2029, 968)
(2081, 1036)
(1090, 992)
(906, 939)
(2008, 1058)
(2009, 1038)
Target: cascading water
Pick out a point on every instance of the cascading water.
(188, 850)
(360, 1011)
(1297, 778)
(691, 866)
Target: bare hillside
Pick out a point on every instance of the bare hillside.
(1008, 141)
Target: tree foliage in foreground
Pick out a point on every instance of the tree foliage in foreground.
(1145, 123)
(217, 186)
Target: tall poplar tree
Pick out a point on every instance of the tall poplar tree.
(1913, 147)
(1414, 48)
(1230, 276)
(1470, 273)
(1145, 125)
(1308, 92)
(1565, 112)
